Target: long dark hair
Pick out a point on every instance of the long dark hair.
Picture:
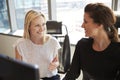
(102, 14)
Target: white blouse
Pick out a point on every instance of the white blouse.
(40, 55)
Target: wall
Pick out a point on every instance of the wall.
(7, 41)
(6, 44)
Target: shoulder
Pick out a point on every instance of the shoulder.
(116, 44)
(18, 42)
(115, 48)
(85, 41)
(52, 38)
(53, 42)
(21, 41)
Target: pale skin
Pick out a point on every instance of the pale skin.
(97, 32)
(37, 30)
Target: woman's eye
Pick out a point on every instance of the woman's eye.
(43, 24)
(37, 25)
(85, 21)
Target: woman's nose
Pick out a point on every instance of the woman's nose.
(40, 28)
(82, 25)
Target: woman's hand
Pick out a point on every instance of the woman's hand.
(54, 64)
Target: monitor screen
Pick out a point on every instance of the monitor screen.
(12, 69)
(54, 27)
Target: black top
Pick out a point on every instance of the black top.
(95, 65)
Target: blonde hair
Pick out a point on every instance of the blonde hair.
(32, 14)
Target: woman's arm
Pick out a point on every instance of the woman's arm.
(17, 55)
(74, 71)
(54, 64)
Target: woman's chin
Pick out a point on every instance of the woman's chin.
(86, 35)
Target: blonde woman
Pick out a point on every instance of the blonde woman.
(37, 47)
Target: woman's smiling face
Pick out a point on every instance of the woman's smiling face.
(38, 27)
(90, 27)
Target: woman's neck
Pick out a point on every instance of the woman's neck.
(101, 42)
(38, 41)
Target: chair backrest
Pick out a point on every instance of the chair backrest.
(64, 55)
(117, 24)
(54, 27)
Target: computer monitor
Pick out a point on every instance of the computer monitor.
(12, 69)
(54, 27)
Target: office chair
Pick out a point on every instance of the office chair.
(117, 24)
(55, 28)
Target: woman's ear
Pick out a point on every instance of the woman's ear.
(100, 25)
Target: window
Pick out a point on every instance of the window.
(70, 12)
(12, 19)
(22, 6)
(4, 21)
(118, 5)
